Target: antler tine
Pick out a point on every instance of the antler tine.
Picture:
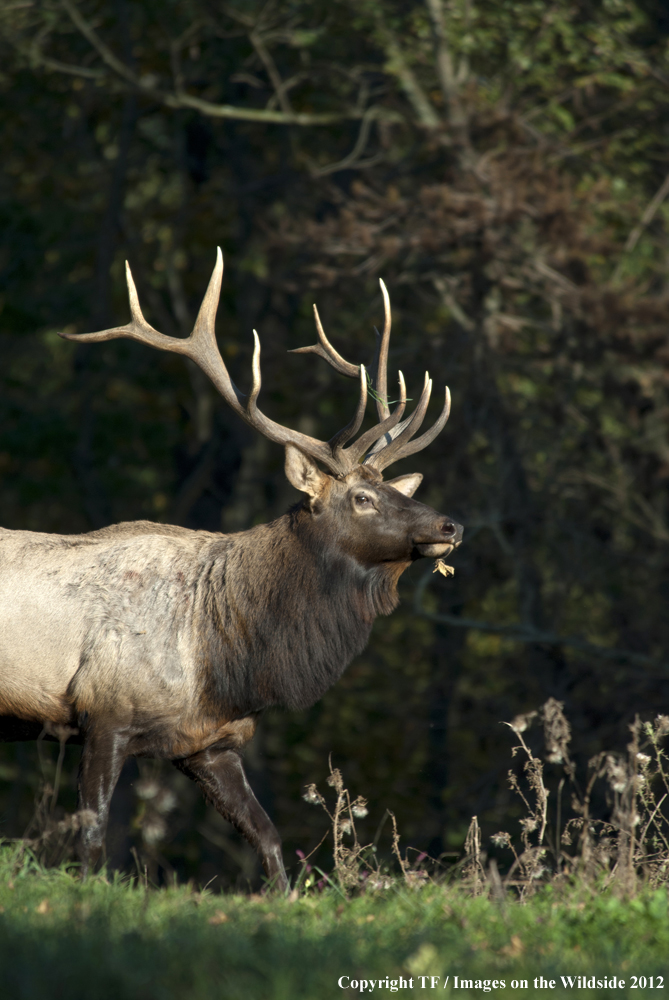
(201, 347)
(202, 341)
(251, 407)
(356, 450)
(133, 300)
(379, 372)
(406, 429)
(325, 350)
(401, 435)
(379, 367)
(337, 442)
(387, 438)
(383, 459)
(137, 329)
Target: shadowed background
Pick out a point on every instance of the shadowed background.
(503, 168)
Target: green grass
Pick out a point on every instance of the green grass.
(115, 939)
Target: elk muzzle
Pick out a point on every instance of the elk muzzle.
(446, 537)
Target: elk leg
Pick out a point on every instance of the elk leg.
(103, 756)
(220, 775)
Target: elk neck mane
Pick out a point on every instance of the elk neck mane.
(289, 611)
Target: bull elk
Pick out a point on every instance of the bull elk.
(150, 640)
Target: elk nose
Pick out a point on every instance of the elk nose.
(452, 531)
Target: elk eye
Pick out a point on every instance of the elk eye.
(362, 500)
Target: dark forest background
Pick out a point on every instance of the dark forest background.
(503, 167)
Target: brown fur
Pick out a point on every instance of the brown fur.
(152, 640)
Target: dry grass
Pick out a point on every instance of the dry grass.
(627, 851)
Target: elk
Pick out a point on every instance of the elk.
(151, 640)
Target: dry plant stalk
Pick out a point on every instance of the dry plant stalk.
(396, 847)
(472, 868)
(51, 833)
(628, 849)
(348, 860)
(356, 865)
(530, 861)
(50, 837)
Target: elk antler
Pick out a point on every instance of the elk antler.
(201, 348)
(393, 442)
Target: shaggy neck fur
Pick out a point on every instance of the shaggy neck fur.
(289, 612)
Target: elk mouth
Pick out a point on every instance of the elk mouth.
(434, 549)
(451, 537)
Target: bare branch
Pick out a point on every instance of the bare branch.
(93, 39)
(176, 45)
(237, 15)
(174, 99)
(451, 304)
(398, 66)
(442, 51)
(32, 51)
(352, 159)
(623, 501)
(270, 66)
(449, 79)
(61, 67)
(540, 109)
(527, 633)
(266, 115)
(648, 215)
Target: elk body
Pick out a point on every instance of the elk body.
(145, 639)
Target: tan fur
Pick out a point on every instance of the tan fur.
(234, 735)
(180, 636)
(33, 706)
(106, 623)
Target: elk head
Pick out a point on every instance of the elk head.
(375, 522)
(354, 482)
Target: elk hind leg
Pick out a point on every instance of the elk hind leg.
(220, 774)
(104, 753)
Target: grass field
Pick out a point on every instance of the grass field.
(115, 939)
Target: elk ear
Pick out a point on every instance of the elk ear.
(303, 473)
(406, 484)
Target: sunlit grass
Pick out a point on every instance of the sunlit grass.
(116, 938)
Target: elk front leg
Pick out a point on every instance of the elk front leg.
(103, 756)
(220, 775)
